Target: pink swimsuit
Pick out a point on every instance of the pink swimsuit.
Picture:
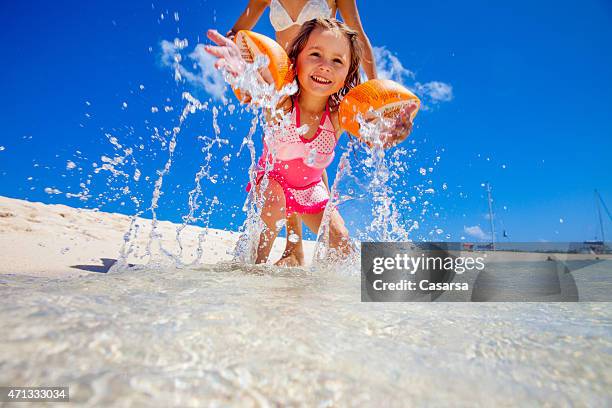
(298, 163)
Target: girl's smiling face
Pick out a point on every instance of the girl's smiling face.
(324, 63)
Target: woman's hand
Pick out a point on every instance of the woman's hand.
(227, 52)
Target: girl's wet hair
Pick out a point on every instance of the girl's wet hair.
(352, 78)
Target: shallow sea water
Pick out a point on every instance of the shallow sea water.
(238, 335)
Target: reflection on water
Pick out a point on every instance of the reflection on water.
(259, 335)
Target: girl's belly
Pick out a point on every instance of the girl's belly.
(296, 173)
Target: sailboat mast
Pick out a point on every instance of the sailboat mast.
(597, 199)
(490, 200)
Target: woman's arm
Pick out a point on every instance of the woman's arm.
(249, 16)
(350, 15)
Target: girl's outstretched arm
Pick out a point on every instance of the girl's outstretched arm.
(400, 129)
(229, 57)
(249, 17)
(227, 52)
(350, 15)
(394, 132)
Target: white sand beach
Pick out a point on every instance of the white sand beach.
(54, 240)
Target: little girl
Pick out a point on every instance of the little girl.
(326, 57)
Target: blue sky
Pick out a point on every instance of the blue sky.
(531, 106)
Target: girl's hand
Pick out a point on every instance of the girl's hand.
(227, 52)
(399, 130)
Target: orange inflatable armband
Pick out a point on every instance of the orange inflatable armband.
(251, 46)
(382, 95)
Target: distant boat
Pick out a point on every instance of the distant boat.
(490, 201)
(596, 246)
(468, 246)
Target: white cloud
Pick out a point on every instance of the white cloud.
(388, 66)
(436, 91)
(205, 75)
(476, 232)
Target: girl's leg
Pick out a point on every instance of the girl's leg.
(273, 211)
(294, 251)
(338, 234)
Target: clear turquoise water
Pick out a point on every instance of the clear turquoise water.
(241, 335)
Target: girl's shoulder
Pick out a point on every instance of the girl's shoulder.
(335, 120)
(286, 105)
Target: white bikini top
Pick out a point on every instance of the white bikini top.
(281, 20)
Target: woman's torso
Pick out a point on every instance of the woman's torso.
(289, 15)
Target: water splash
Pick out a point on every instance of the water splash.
(375, 185)
(196, 192)
(373, 177)
(264, 102)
